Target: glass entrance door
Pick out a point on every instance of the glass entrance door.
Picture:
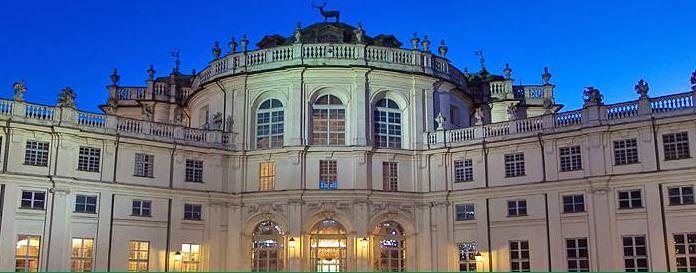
(328, 254)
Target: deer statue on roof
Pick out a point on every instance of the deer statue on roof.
(327, 14)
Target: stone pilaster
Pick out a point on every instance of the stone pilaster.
(58, 259)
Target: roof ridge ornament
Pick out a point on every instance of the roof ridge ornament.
(20, 88)
(546, 77)
(177, 62)
(327, 13)
(693, 80)
(642, 89)
(415, 40)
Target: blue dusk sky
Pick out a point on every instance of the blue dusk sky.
(606, 44)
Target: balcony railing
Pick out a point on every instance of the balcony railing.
(107, 124)
(645, 109)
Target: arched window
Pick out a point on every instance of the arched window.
(328, 121)
(328, 247)
(387, 124)
(267, 247)
(269, 124)
(390, 249)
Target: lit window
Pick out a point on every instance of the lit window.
(464, 212)
(635, 254)
(269, 124)
(387, 124)
(27, 257)
(33, 199)
(266, 176)
(573, 203)
(571, 159)
(190, 257)
(194, 171)
(144, 165)
(676, 146)
(192, 211)
(685, 252)
(85, 204)
(36, 153)
(577, 254)
(519, 256)
(88, 159)
(517, 208)
(467, 256)
(82, 254)
(681, 195)
(328, 121)
(630, 199)
(141, 208)
(267, 247)
(463, 170)
(390, 176)
(328, 175)
(392, 256)
(514, 165)
(138, 256)
(625, 151)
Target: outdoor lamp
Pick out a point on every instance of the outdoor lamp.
(478, 256)
(364, 241)
(291, 242)
(177, 256)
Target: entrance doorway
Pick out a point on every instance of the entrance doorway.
(328, 251)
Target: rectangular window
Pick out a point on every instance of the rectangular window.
(328, 175)
(571, 159)
(467, 256)
(577, 254)
(139, 256)
(141, 208)
(192, 212)
(517, 208)
(625, 151)
(266, 176)
(635, 253)
(685, 251)
(33, 199)
(88, 159)
(630, 199)
(36, 153)
(465, 212)
(194, 170)
(514, 165)
(573, 203)
(27, 257)
(676, 146)
(190, 257)
(681, 195)
(144, 165)
(519, 256)
(463, 170)
(85, 203)
(82, 254)
(390, 176)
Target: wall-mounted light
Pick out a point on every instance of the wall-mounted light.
(478, 256)
(291, 242)
(177, 256)
(364, 242)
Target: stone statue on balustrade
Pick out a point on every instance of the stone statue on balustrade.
(228, 123)
(512, 112)
(19, 89)
(440, 119)
(111, 104)
(642, 89)
(478, 116)
(148, 112)
(66, 98)
(548, 106)
(298, 33)
(179, 116)
(359, 32)
(217, 121)
(693, 80)
(592, 96)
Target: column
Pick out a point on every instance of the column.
(602, 238)
(360, 115)
(294, 231)
(441, 242)
(59, 230)
(362, 252)
(423, 251)
(233, 260)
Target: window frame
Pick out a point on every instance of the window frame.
(390, 176)
(467, 256)
(577, 206)
(463, 170)
(626, 151)
(193, 212)
(27, 258)
(82, 206)
(33, 200)
(523, 264)
(683, 198)
(134, 255)
(579, 257)
(387, 115)
(677, 144)
(79, 260)
(142, 210)
(89, 159)
(519, 210)
(144, 165)
(570, 158)
(467, 211)
(194, 171)
(330, 136)
(635, 257)
(515, 165)
(683, 258)
(275, 119)
(267, 175)
(36, 153)
(190, 259)
(328, 171)
(631, 199)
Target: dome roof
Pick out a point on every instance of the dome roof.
(328, 32)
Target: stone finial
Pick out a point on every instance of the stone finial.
(642, 89)
(693, 80)
(482, 59)
(112, 104)
(512, 112)
(151, 72)
(245, 43)
(359, 32)
(66, 98)
(546, 77)
(298, 33)
(216, 50)
(592, 96)
(19, 89)
(478, 116)
(442, 48)
(548, 106)
(426, 43)
(115, 77)
(233, 45)
(147, 111)
(440, 119)
(415, 40)
(507, 71)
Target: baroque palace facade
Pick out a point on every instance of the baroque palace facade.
(333, 150)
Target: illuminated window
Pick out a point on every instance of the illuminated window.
(328, 246)
(27, 257)
(392, 256)
(82, 254)
(269, 124)
(387, 124)
(390, 176)
(267, 247)
(467, 256)
(328, 175)
(328, 121)
(190, 257)
(266, 176)
(138, 256)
